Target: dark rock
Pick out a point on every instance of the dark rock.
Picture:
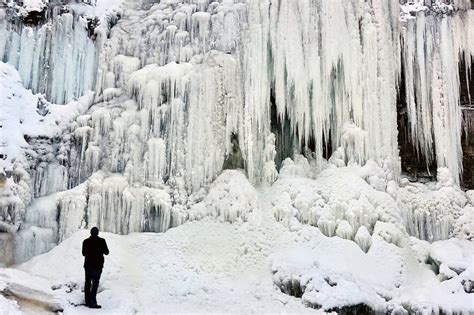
(235, 159)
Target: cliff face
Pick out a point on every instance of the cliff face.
(160, 97)
(468, 148)
(467, 103)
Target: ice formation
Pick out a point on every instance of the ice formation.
(56, 58)
(169, 104)
(177, 111)
(433, 45)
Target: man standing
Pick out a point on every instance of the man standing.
(93, 249)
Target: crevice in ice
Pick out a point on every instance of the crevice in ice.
(413, 164)
(284, 136)
(466, 70)
(234, 158)
(354, 310)
(466, 76)
(34, 18)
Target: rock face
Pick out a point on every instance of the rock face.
(467, 104)
(6, 249)
(468, 148)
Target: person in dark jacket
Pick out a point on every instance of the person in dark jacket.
(93, 249)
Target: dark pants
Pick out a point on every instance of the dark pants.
(90, 292)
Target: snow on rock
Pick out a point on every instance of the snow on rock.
(318, 271)
(34, 5)
(25, 7)
(27, 290)
(410, 8)
(335, 275)
(25, 114)
(449, 282)
(455, 254)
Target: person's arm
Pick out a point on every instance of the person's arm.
(84, 250)
(106, 249)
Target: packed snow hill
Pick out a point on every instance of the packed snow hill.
(238, 156)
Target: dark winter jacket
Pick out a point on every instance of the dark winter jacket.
(93, 249)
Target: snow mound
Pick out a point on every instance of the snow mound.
(230, 198)
(455, 254)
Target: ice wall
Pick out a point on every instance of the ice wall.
(54, 45)
(57, 59)
(433, 45)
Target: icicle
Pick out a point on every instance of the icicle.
(155, 162)
(321, 81)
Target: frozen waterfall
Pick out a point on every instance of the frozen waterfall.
(180, 86)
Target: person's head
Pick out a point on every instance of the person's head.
(94, 231)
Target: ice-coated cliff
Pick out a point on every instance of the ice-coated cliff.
(162, 96)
